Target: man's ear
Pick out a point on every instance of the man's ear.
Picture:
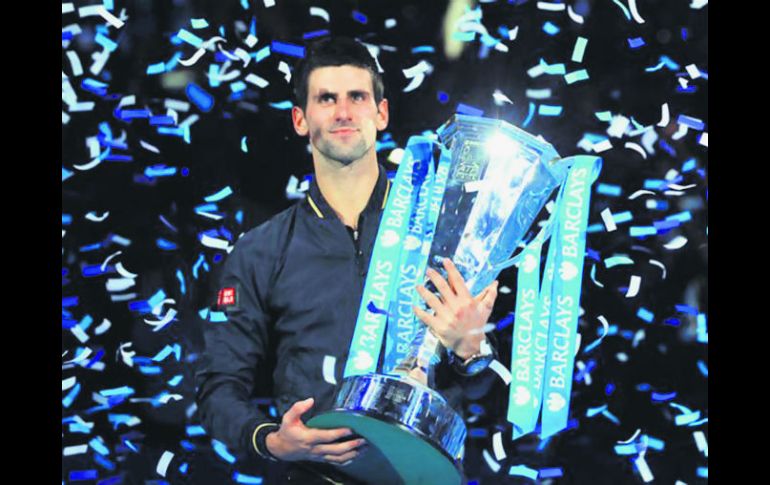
(382, 114)
(298, 119)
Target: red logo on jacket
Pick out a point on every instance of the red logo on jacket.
(226, 297)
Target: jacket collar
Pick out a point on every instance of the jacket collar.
(318, 205)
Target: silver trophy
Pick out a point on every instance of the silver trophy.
(500, 178)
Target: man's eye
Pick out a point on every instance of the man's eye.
(326, 97)
(359, 96)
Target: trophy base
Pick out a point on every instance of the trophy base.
(394, 455)
(414, 436)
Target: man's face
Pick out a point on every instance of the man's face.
(341, 116)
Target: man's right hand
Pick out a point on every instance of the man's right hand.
(294, 441)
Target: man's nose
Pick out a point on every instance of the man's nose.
(342, 111)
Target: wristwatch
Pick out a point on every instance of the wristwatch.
(475, 363)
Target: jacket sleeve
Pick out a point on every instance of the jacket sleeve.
(234, 351)
(457, 388)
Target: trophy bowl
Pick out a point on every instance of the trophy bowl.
(414, 435)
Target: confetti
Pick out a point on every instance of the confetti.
(676, 243)
(328, 369)
(637, 148)
(634, 11)
(579, 50)
(497, 446)
(501, 371)
(163, 463)
(106, 15)
(417, 75)
(578, 19)
(491, 463)
(609, 222)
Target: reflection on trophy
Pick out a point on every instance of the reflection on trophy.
(499, 179)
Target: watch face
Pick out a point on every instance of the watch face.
(478, 364)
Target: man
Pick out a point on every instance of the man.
(291, 288)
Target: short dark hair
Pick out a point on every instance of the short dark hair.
(335, 51)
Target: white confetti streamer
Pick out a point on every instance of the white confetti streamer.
(680, 132)
(500, 98)
(682, 187)
(676, 243)
(609, 221)
(622, 356)
(157, 308)
(257, 81)
(103, 327)
(77, 67)
(319, 12)
(639, 193)
(68, 383)
(633, 286)
(664, 116)
(80, 357)
(551, 7)
(74, 450)
(632, 438)
(637, 148)
(193, 58)
(127, 356)
(578, 19)
(119, 284)
(693, 71)
(328, 369)
(91, 216)
(163, 463)
(269, 3)
(390, 23)
(634, 12)
(660, 265)
(501, 371)
(111, 19)
(698, 4)
(148, 147)
(89, 11)
(513, 33)
(700, 442)
(602, 146)
(618, 126)
(638, 337)
(644, 469)
(703, 139)
(124, 272)
(417, 74)
(284, 68)
(497, 446)
(160, 324)
(80, 334)
(164, 399)
(491, 463)
(213, 242)
(67, 8)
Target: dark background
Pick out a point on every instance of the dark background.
(142, 209)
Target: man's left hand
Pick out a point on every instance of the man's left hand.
(459, 318)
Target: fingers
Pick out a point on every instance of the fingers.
(432, 300)
(344, 459)
(491, 295)
(456, 280)
(338, 449)
(297, 409)
(430, 320)
(447, 294)
(318, 436)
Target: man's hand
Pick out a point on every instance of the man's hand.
(294, 441)
(459, 318)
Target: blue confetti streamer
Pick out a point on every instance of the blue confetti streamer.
(237, 86)
(530, 114)
(221, 450)
(180, 277)
(84, 475)
(645, 315)
(198, 96)
(548, 110)
(609, 389)
(591, 412)
(199, 23)
(314, 34)
(550, 29)
(98, 446)
(424, 49)
(523, 471)
(693, 123)
(104, 462)
(658, 397)
(623, 8)
(65, 174)
(159, 171)
(703, 368)
(702, 471)
(69, 301)
(642, 231)
(223, 193)
(190, 38)
(187, 445)
(67, 401)
(174, 381)
(608, 189)
(282, 105)
(465, 109)
(288, 49)
(248, 479)
(636, 42)
(359, 17)
(550, 473)
(478, 433)
(106, 42)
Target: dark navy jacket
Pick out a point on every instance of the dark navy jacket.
(298, 281)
